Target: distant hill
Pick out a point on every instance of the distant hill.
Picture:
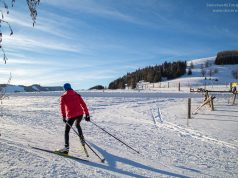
(97, 87)
(33, 88)
(152, 74)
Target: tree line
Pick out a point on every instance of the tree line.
(227, 57)
(152, 74)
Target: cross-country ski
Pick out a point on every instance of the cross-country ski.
(59, 153)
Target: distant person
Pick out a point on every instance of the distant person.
(234, 89)
(72, 108)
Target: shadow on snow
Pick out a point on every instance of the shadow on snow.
(112, 161)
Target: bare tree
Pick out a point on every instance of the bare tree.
(3, 89)
(202, 66)
(32, 5)
(210, 72)
(203, 72)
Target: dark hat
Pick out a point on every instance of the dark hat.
(67, 87)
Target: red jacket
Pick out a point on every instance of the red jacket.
(72, 105)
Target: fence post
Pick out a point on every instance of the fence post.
(234, 98)
(189, 110)
(179, 86)
(212, 104)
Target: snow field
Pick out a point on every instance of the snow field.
(208, 147)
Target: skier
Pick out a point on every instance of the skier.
(72, 108)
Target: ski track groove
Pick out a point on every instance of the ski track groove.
(190, 132)
(195, 134)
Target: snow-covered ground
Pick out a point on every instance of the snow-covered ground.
(204, 146)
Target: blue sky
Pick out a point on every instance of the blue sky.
(91, 42)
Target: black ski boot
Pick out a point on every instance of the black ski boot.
(64, 150)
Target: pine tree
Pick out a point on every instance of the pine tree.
(189, 71)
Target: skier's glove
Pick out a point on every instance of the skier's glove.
(64, 119)
(87, 117)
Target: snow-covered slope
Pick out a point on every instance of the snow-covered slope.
(221, 74)
(33, 88)
(14, 88)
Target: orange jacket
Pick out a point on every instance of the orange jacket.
(72, 105)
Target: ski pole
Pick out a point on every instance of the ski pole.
(115, 137)
(101, 159)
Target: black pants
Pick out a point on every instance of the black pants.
(67, 128)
